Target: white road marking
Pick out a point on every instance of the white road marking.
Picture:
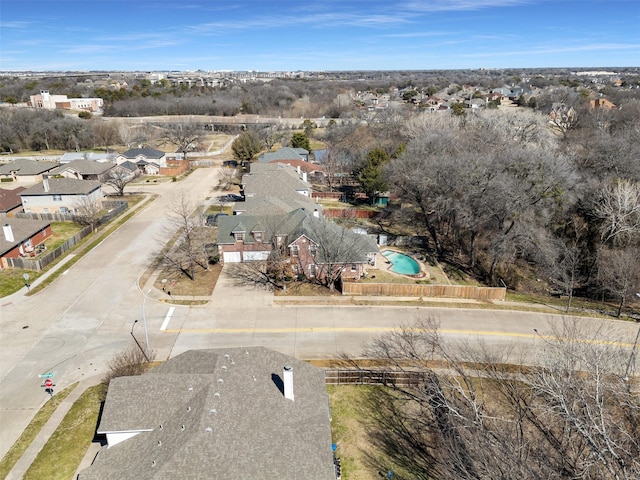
(165, 324)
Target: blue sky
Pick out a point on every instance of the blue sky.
(317, 34)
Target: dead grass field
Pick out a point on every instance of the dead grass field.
(180, 285)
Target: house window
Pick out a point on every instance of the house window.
(239, 236)
(257, 236)
(294, 250)
(312, 270)
(354, 267)
(64, 210)
(312, 249)
(57, 198)
(46, 210)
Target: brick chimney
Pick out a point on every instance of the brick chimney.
(8, 233)
(287, 378)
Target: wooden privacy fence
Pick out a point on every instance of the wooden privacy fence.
(114, 208)
(418, 290)
(40, 263)
(374, 377)
(348, 213)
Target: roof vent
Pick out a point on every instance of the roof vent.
(224, 367)
(153, 463)
(209, 430)
(182, 428)
(159, 442)
(213, 411)
(160, 427)
(216, 395)
(190, 387)
(188, 409)
(226, 355)
(220, 380)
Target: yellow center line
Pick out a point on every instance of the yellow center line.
(479, 333)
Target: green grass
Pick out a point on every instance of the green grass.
(31, 432)
(62, 454)
(351, 420)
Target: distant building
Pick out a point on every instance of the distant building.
(60, 102)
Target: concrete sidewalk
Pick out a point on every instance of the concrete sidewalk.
(21, 467)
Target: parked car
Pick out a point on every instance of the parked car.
(231, 197)
(212, 220)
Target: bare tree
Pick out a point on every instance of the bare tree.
(619, 273)
(105, 133)
(119, 178)
(131, 361)
(271, 135)
(336, 248)
(188, 251)
(185, 136)
(87, 212)
(474, 415)
(226, 177)
(619, 210)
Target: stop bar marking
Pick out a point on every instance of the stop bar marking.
(165, 324)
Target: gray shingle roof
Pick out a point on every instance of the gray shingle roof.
(285, 153)
(275, 188)
(84, 167)
(342, 244)
(23, 166)
(10, 199)
(22, 228)
(147, 152)
(218, 414)
(63, 186)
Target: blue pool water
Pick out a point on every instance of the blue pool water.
(401, 263)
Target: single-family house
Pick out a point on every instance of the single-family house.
(149, 160)
(10, 201)
(284, 154)
(95, 156)
(21, 237)
(236, 413)
(84, 170)
(24, 170)
(61, 195)
(275, 188)
(309, 245)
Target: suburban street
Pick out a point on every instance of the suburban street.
(76, 325)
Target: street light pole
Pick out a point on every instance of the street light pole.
(144, 321)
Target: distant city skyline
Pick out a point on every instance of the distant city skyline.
(316, 35)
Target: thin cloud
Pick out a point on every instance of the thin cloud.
(16, 24)
(316, 20)
(459, 5)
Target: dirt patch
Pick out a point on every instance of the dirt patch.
(180, 285)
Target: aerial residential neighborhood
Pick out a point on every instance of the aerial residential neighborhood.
(320, 240)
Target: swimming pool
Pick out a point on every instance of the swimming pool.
(401, 263)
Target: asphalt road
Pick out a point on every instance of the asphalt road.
(76, 325)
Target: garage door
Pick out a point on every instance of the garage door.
(231, 257)
(255, 256)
